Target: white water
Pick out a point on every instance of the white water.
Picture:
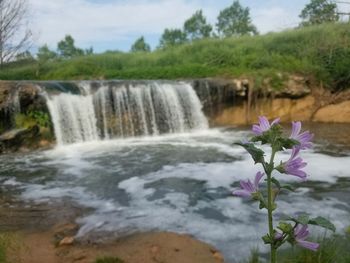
(175, 182)
(125, 111)
(74, 118)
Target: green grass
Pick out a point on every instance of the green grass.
(109, 260)
(8, 243)
(334, 249)
(321, 52)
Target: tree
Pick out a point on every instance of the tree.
(44, 54)
(67, 49)
(196, 27)
(318, 12)
(140, 46)
(235, 21)
(172, 37)
(15, 38)
(26, 55)
(89, 51)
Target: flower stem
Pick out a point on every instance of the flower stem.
(270, 207)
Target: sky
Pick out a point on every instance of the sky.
(116, 24)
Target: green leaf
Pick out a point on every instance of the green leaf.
(276, 182)
(274, 136)
(285, 227)
(303, 219)
(274, 206)
(259, 197)
(288, 187)
(322, 222)
(266, 239)
(256, 153)
(288, 143)
(262, 205)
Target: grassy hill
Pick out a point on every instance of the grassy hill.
(321, 52)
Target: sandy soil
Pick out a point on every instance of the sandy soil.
(45, 234)
(159, 247)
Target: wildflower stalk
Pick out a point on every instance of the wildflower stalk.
(272, 134)
(270, 206)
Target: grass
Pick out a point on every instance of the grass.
(8, 243)
(109, 260)
(322, 52)
(334, 249)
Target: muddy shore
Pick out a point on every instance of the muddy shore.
(37, 234)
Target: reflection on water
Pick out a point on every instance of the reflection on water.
(179, 183)
(332, 139)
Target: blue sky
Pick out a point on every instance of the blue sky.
(115, 24)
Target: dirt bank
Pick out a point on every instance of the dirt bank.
(156, 247)
(319, 106)
(37, 233)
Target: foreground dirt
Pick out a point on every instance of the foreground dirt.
(157, 247)
(46, 233)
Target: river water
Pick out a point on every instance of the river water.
(181, 183)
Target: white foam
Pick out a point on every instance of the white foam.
(200, 204)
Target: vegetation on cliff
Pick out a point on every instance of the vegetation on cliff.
(321, 51)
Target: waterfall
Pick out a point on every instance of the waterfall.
(120, 110)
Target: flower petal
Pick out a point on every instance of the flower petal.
(296, 127)
(257, 179)
(301, 232)
(276, 121)
(257, 130)
(309, 245)
(264, 123)
(241, 193)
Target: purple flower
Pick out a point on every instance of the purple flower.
(294, 164)
(303, 138)
(248, 188)
(300, 234)
(278, 236)
(264, 125)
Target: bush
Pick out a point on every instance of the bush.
(321, 51)
(334, 249)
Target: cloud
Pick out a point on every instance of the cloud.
(112, 21)
(112, 24)
(274, 19)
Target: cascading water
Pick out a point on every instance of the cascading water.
(125, 110)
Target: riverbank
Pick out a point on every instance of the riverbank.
(31, 234)
(320, 52)
(39, 115)
(166, 247)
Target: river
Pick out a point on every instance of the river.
(180, 182)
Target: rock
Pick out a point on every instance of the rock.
(285, 108)
(295, 87)
(217, 255)
(13, 134)
(79, 256)
(337, 113)
(66, 228)
(13, 140)
(64, 233)
(67, 241)
(154, 249)
(44, 144)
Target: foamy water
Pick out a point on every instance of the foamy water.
(179, 183)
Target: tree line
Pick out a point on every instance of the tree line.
(233, 21)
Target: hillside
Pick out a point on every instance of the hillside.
(320, 52)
